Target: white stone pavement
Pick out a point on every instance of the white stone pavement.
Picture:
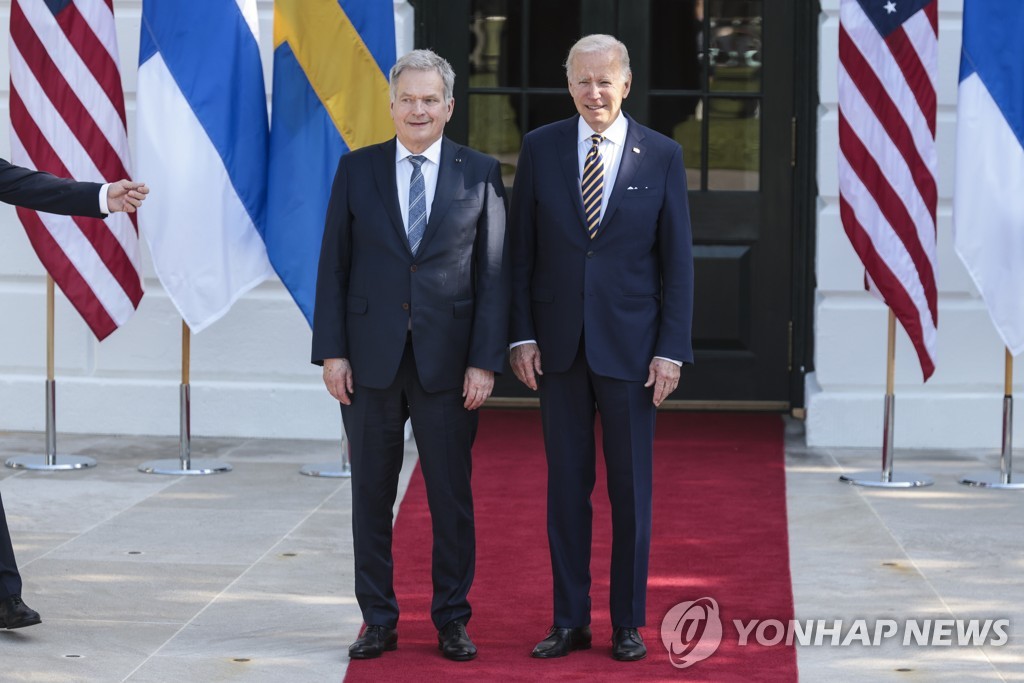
(246, 576)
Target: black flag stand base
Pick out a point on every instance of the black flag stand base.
(1003, 479)
(51, 461)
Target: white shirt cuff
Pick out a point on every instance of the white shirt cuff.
(103, 198)
(670, 360)
(520, 343)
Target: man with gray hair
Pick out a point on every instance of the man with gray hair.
(410, 321)
(602, 289)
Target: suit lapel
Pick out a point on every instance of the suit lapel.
(384, 172)
(449, 176)
(569, 155)
(633, 153)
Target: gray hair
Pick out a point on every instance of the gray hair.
(598, 42)
(424, 60)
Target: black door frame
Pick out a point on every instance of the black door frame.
(435, 29)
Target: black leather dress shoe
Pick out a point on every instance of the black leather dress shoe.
(454, 642)
(16, 614)
(628, 645)
(562, 641)
(374, 641)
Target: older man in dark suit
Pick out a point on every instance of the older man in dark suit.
(602, 290)
(410, 321)
(44, 192)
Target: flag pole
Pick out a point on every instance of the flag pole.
(331, 469)
(888, 479)
(49, 462)
(1004, 479)
(185, 464)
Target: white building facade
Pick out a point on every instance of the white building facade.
(250, 372)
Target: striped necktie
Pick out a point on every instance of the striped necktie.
(592, 185)
(417, 203)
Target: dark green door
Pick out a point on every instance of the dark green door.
(716, 75)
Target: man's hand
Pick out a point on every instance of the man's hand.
(664, 377)
(125, 195)
(338, 379)
(525, 362)
(477, 387)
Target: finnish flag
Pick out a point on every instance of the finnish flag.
(988, 200)
(202, 138)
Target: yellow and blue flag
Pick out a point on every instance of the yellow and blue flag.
(331, 60)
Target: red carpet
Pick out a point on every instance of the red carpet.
(719, 532)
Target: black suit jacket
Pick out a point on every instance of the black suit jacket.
(455, 290)
(631, 287)
(44, 192)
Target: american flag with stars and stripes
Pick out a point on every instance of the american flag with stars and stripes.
(888, 56)
(67, 118)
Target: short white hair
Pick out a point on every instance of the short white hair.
(595, 43)
(424, 60)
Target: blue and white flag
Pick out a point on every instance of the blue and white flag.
(988, 200)
(202, 139)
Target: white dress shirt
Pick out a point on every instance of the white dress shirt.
(611, 152)
(403, 174)
(103, 198)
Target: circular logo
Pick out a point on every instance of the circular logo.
(691, 632)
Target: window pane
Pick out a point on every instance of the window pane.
(543, 109)
(735, 45)
(734, 144)
(554, 27)
(493, 59)
(676, 27)
(499, 50)
(677, 118)
(494, 130)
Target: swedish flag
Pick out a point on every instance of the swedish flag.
(331, 59)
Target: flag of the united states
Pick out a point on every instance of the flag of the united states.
(67, 118)
(888, 56)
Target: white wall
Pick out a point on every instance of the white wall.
(961, 405)
(250, 371)
(251, 375)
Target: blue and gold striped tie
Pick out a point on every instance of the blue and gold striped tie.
(592, 185)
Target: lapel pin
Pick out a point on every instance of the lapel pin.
(636, 150)
(458, 160)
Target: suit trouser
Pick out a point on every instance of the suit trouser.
(444, 432)
(10, 579)
(568, 402)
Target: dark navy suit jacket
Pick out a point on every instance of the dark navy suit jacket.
(456, 288)
(44, 192)
(631, 287)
